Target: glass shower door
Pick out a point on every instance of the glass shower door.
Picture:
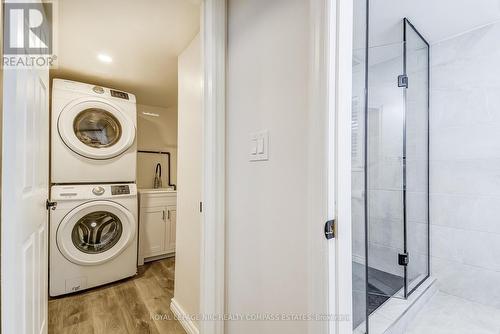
(385, 182)
(416, 66)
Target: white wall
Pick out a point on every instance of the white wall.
(267, 88)
(187, 262)
(465, 166)
(156, 134)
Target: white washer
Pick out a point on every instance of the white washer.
(93, 134)
(93, 236)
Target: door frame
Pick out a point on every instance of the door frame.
(337, 99)
(212, 257)
(329, 176)
(340, 77)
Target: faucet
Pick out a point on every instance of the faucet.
(157, 180)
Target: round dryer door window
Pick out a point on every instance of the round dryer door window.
(95, 232)
(96, 129)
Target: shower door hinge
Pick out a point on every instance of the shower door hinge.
(403, 259)
(330, 229)
(403, 81)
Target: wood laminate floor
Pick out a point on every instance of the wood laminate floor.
(128, 306)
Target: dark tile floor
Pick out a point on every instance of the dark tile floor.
(381, 286)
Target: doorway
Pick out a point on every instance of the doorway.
(211, 238)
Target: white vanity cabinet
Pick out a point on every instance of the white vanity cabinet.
(157, 219)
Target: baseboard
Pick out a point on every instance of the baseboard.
(183, 318)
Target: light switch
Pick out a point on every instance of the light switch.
(253, 147)
(259, 146)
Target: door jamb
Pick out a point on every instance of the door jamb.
(339, 139)
(329, 165)
(212, 261)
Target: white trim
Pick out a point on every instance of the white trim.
(183, 318)
(318, 167)
(212, 291)
(340, 91)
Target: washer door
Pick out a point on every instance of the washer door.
(95, 129)
(95, 232)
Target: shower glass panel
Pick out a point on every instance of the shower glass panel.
(358, 200)
(390, 166)
(417, 156)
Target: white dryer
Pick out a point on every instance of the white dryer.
(93, 136)
(93, 236)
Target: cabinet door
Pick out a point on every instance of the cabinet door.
(154, 231)
(172, 218)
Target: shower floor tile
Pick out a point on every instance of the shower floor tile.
(381, 287)
(447, 314)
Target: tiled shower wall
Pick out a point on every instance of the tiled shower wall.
(465, 165)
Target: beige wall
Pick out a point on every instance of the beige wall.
(156, 134)
(266, 215)
(187, 264)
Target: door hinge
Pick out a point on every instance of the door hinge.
(403, 259)
(50, 205)
(403, 81)
(330, 229)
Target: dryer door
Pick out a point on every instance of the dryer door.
(96, 128)
(95, 232)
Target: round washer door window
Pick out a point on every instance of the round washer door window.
(96, 129)
(95, 232)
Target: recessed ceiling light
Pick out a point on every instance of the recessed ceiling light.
(104, 58)
(150, 114)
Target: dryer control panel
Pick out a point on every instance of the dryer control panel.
(120, 95)
(120, 190)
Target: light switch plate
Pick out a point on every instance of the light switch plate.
(259, 146)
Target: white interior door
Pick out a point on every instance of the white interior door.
(25, 168)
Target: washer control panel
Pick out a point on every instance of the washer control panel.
(98, 191)
(120, 190)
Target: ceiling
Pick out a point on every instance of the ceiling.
(435, 19)
(143, 38)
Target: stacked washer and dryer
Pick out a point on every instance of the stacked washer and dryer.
(93, 219)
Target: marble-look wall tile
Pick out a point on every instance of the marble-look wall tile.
(473, 177)
(473, 283)
(468, 212)
(465, 165)
(466, 142)
(473, 248)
